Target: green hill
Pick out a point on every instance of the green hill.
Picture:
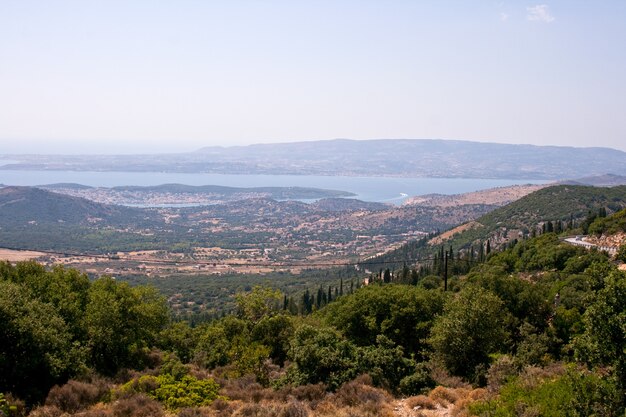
(609, 225)
(563, 203)
(21, 205)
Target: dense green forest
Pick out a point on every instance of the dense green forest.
(536, 329)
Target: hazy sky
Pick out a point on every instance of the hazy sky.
(132, 75)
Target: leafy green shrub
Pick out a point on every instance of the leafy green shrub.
(215, 343)
(186, 392)
(603, 342)
(417, 382)
(179, 338)
(5, 407)
(174, 393)
(468, 331)
(621, 253)
(321, 355)
(404, 314)
(121, 321)
(573, 394)
(533, 347)
(385, 363)
(274, 332)
(37, 342)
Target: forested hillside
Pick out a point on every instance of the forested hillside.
(560, 207)
(533, 329)
(23, 206)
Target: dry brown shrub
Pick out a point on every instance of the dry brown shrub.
(311, 393)
(325, 408)
(125, 375)
(255, 410)
(465, 398)
(356, 392)
(199, 372)
(364, 379)
(478, 394)
(295, 409)
(273, 409)
(460, 408)
(245, 389)
(531, 376)
(76, 395)
(193, 412)
(46, 411)
(443, 395)
(421, 401)
(369, 410)
(153, 359)
(330, 409)
(137, 406)
(95, 412)
(500, 372)
(441, 377)
(221, 404)
(223, 408)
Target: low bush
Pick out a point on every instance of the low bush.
(245, 389)
(192, 412)
(137, 406)
(46, 411)
(76, 395)
(574, 393)
(173, 393)
(418, 382)
(360, 392)
(420, 402)
(11, 406)
(443, 395)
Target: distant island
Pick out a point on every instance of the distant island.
(342, 157)
(188, 195)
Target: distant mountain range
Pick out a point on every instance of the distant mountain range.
(383, 157)
(607, 180)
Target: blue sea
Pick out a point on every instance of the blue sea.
(375, 189)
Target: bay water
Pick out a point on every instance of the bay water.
(375, 189)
